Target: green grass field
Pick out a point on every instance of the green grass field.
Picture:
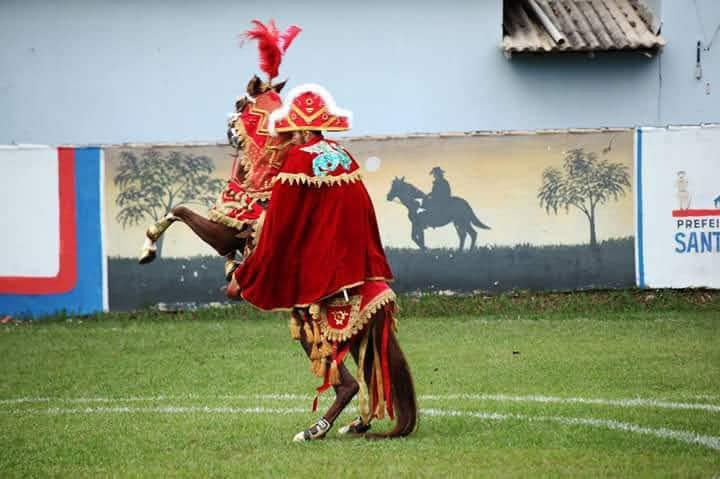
(615, 384)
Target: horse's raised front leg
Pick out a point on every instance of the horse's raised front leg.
(152, 235)
(221, 238)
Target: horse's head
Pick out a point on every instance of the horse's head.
(248, 132)
(398, 187)
(404, 191)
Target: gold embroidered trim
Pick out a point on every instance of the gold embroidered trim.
(386, 297)
(307, 305)
(363, 392)
(217, 217)
(352, 326)
(258, 195)
(303, 179)
(255, 237)
(308, 118)
(358, 317)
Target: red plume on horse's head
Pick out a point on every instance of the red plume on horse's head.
(272, 44)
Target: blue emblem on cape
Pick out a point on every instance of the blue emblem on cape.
(329, 158)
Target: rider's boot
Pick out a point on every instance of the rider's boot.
(357, 426)
(316, 431)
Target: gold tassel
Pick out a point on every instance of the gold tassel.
(294, 327)
(316, 332)
(325, 349)
(334, 373)
(315, 352)
(316, 367)
(378, 382)
(308, 333)
(322, 368)
(363, 392)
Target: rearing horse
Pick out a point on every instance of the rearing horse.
(362, 325)
(458, 212)
(239, 210)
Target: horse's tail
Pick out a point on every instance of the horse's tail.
(474, 220)
(403, 390)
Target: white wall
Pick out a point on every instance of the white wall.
(678, 234)
(31, 221)
(102, 71)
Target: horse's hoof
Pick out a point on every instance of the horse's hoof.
(354, 428)
(149, 251)
(316, 431)
(147, 256)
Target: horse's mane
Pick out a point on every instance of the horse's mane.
(412, 188)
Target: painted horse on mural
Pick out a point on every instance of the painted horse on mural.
(436, 209)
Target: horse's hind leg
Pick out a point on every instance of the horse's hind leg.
(473, 236)
(363, 358)
(461, 234)
(344, 393)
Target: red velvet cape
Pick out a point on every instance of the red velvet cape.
(318, 238)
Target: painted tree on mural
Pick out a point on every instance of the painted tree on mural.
(150, 186)
(585, 182)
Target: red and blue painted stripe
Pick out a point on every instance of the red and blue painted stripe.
(80, 285)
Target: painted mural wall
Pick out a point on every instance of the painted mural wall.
(51, 247)
(678, 207)
(456, 212)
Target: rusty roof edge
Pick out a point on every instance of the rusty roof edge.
(632, 24)
(653, 21)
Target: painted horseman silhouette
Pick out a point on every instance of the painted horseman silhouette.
(435, 209)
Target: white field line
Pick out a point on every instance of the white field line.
(689, 437)
(633, 402)
(713, 442)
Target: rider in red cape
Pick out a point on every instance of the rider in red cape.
(320, 235)
(319, 255)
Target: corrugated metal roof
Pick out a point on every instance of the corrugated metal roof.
(579, 25)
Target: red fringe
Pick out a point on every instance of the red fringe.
(336, 356)
(387, 385)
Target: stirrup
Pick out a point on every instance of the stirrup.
(316, 431)
(355, 427)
